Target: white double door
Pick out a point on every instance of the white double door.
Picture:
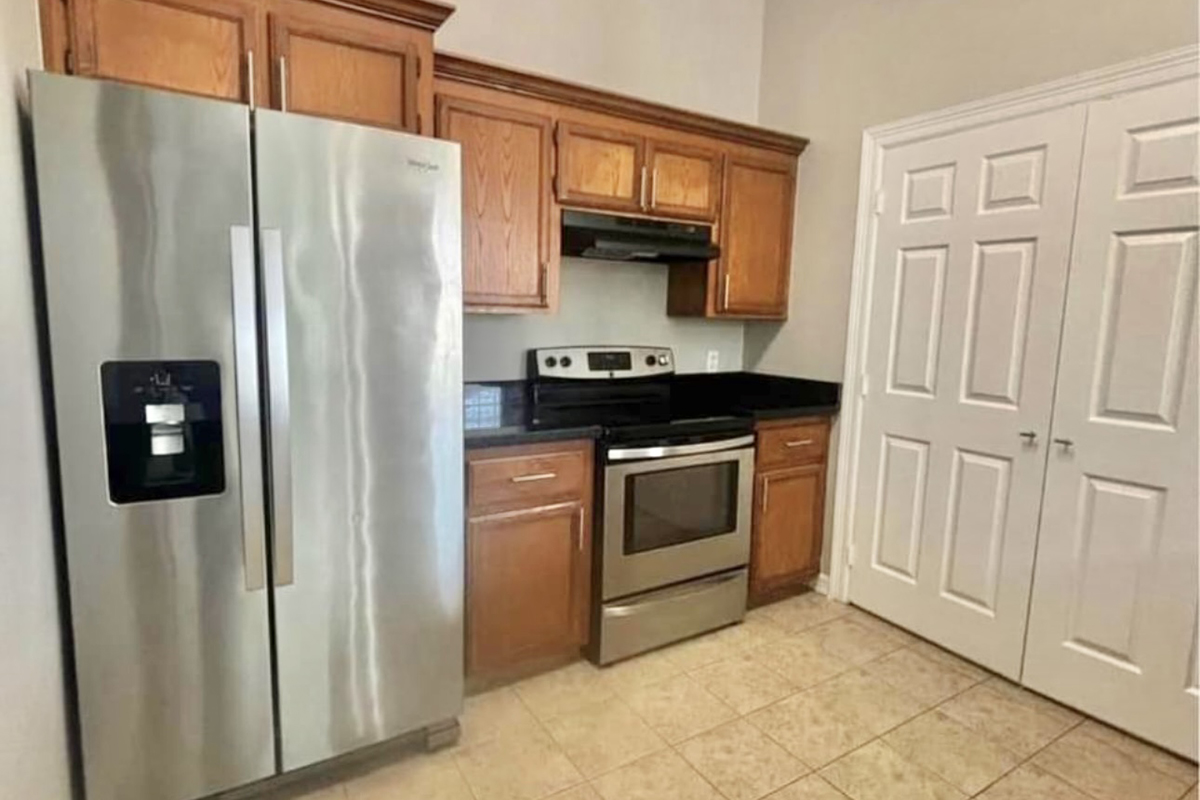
(1032, 398)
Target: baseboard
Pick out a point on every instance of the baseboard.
(821, 584)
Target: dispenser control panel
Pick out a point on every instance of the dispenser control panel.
(162, 429)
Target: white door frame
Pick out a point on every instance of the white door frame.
(1129, 76)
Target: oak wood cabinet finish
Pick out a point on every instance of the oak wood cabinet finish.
(197, 46)
(510, 222)
(685, 181)
(357, 60)
(330, 62)
(601, 168)
(789, 507)
(756, 237)
(529, 557)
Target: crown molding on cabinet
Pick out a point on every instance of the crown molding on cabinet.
(493, 76)
(426, 14)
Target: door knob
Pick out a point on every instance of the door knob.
(1029, 436)
(1066, 444)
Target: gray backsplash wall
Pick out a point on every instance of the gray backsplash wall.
(601, 302)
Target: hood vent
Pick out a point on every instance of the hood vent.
(615, 238)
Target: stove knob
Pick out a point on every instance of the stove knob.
(551, 361)
(565, 361)
(663, 360)
(651, 361)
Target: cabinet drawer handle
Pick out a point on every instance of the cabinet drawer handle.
(725, 299)
(798, 443)
(642, 191)
(540, 476)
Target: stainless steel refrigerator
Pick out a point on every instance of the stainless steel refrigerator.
(255, 341)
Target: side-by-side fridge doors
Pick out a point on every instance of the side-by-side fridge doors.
(146, 231)
(361, 291)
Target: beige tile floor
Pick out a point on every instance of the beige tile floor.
(806, 700)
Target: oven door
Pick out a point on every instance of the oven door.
(675, 513)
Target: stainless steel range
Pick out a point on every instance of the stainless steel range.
(674, 491)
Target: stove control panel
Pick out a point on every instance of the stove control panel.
(600, 362)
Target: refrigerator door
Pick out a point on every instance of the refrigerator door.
(362, 291)
(145, 212)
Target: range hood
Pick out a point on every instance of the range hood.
(616, 238)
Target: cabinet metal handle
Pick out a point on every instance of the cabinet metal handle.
(798, 443)
(766, 486)
(283, 83)
(654, 188)
(1066, 444)
(579, 531)
(540, 476)
(642, 191)
(250, 77)
(1028, 436)
(725, 297)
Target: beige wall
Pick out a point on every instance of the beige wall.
(33, 755)
(834, 67)
(702, 55)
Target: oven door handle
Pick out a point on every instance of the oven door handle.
(670, 451)
(673, 593)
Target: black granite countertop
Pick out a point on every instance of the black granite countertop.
(498, 413)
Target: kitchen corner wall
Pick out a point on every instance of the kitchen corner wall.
(834, 67)
(702, 55)
(33, 742)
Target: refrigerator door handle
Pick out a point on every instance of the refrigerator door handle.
(279, 406)
(254, 555)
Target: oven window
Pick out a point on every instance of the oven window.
(680, 505)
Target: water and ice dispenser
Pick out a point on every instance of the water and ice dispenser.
(162, 429)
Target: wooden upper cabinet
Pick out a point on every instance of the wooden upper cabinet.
(601, 168)
(509, 223)
(330, 62)
(756, 237)
(201, 47)
(364, 61)
(685, 181)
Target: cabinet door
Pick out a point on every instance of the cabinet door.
(339, 64)
(756, 238)
(507, 217)
(601, 168)
(684, 181)
(197, 47)
(527, 579)
(786, 546)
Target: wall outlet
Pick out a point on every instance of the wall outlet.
(714, 361)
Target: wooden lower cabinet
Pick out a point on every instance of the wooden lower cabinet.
(789, 509)
(529, 558)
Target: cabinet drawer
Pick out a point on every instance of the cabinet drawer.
(803, 443)
(525, 479)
